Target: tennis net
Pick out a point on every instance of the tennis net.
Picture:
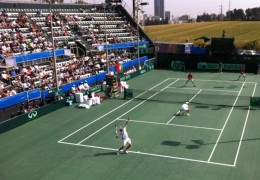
(202, 98)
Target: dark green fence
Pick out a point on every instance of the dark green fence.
(27, 117)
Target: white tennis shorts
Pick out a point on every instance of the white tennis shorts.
(127, 141)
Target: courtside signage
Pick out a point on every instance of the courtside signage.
(233, 66)
(177, 65)
(205, 66)
(32, 114)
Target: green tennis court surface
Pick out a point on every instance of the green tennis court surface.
(220, 140)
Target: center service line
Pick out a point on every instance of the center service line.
(127, 112)
(179, 110)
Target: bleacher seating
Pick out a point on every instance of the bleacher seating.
(71, 26)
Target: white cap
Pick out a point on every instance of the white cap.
(187, 103)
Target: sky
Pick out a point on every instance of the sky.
(193, 7)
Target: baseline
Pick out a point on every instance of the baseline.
(217, 80)
(150, 154)
(220, 90)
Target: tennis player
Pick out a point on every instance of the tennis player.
(220, 67)
(185, 109)
(123, 135)
(242, 73)
(190, 78)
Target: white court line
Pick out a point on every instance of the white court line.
(225, 123)
(205, 89)
(127, 112)
(151, 154)
(110, 112)
(216, 163)
(242, 135)
(216, 80)
(179, 110)
(179, 125)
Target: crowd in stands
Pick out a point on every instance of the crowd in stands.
(24, 78)
(26, 107)
(19, 36)
(26, 32)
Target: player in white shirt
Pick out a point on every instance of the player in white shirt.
(185, 109)
(86, 86)
(123, 135)
(81, 87)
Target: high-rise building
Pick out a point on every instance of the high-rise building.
(159, 8)
(168, 15)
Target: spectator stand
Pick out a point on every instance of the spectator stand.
(71, 23)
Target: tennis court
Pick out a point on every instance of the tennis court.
(220, 140)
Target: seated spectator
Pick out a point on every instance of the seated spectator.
(4, 93)
(35, 104)
(81, 87)
(90, 94)
(12, 92)
(24, 108)
(74, 89)
(85, 84)
(5, 77)
(2, 85)
(13, 72)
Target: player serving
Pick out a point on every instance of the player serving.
(123, 135)
(190, 78)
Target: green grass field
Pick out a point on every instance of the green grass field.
(220, 140)
(242, 31)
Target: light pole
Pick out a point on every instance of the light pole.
(106, 44)
(138, 35)
(53, 50)
(138, 53)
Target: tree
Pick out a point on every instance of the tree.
(240, 15)
(249, 14)
(256, 14)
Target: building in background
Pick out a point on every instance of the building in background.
(159, 8)
(184, 18)
(168, 15)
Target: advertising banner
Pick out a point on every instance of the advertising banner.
(212, 66)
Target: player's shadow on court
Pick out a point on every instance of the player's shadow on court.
(105, 154)
(196, 144)
(202, 106)
(229, 87)
(218, 87)
(232, 87)
(207, 106)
